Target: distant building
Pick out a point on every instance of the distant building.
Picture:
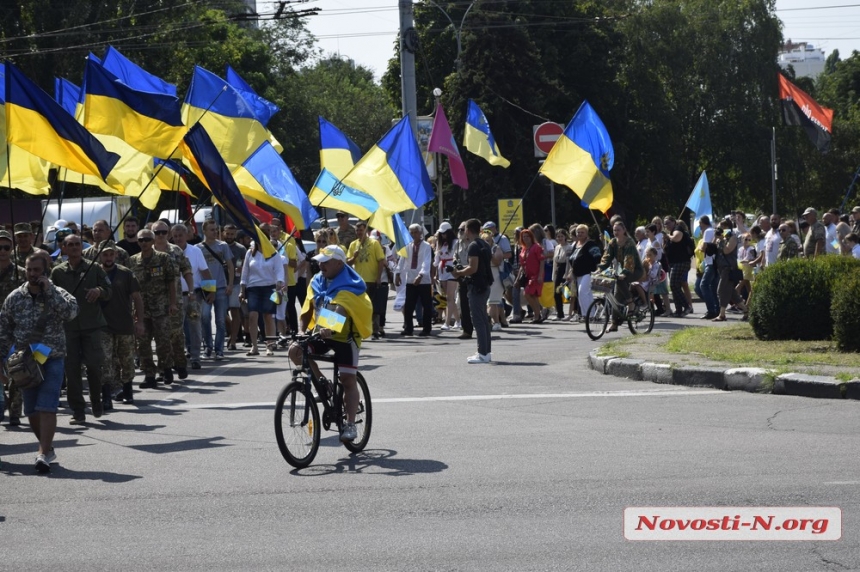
(806, 59)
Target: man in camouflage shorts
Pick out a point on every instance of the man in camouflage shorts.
(156, 273)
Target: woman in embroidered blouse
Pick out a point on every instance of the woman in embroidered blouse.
(531, 266)
(446, 246)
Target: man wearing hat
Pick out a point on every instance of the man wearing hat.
(345, 231)
(338, 289)
(816, 236)
(11, 276)
(24, 243)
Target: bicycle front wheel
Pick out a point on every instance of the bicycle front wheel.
(642, 320)
(597, 318)
(297, 425)
(363, 417)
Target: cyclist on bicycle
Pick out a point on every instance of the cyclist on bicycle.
(338, 309)
(622, 252)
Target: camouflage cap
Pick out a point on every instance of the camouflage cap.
(5, 234)
(23, 227)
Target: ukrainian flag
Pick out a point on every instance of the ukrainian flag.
(392, 226)
(393, 171)
(208, 165)
(263, 108)
(67, 94)
(38, 124)
(135, 76)
(266, 178)
(581, 159)
(171, 176)
(149, 122)
(338, 153)
(329, 192)
(479, 139)
(22, 170)
(232, 124)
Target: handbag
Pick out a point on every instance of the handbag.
(521, 281)
(22, 368)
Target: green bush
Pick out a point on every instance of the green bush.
(792, 299)
(846, 314)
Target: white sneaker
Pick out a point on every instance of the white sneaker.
(51, 457)
(458, 325)
(497, 327)
(445, 327)
(480, 358)
(349, 432)
(544, 314)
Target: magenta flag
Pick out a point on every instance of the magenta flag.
(442, 141)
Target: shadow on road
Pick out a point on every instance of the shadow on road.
(60, 472)
(180, 446)
(377, 462)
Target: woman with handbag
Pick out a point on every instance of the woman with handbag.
(727, 268)
(531, 273)
(583, 261)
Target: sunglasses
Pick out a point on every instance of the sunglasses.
(5, 247)
(160, 232)
(144, 239)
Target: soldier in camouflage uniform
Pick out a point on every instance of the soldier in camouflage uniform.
(124, 315)
(183, 272)
(18, 318)
(11, 276)
(90, 286)
(24, 243)
(101, 235)
(157, 275)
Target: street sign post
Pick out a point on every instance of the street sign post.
(545, 136)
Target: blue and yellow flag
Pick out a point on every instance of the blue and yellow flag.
(208, 165)
(479, 139)
(19, 169)
(338, 153)
(149, 122)
(230, 122)
(171, 176)
(582, 158)
(267, 179)
(67, 94)
(392, 226)
(393, 171)
(38, 124)
(263, 108)
(135, 76)
(329, 192)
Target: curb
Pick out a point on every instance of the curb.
(749, 379)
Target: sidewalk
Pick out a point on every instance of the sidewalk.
(644, 358)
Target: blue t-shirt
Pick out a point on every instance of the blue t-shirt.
(216, 268)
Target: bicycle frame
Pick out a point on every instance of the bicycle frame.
(330, 393)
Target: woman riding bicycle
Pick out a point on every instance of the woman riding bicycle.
(341, 313)
(622, 250)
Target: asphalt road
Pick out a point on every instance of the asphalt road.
(525, 464)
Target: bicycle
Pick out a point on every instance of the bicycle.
(640, 320)
(297, 417)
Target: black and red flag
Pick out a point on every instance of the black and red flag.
(798, 108)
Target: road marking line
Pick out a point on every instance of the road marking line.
(639, 393)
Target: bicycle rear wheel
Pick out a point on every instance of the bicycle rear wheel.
(597, 318)
(297, 425)
(363, 417)
(642, 320)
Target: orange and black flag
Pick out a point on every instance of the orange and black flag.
(798, 108)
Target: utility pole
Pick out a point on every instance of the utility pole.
(408, 46)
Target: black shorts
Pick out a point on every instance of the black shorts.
(345, 354)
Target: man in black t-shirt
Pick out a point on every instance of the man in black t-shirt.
(480, 277)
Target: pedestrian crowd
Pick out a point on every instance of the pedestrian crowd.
(94, 307)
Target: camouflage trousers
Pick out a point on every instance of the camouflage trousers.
(14, 401)
(118, 367)
(177, 336)
(157, 329)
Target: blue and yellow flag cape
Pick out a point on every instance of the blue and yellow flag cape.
(348, 290)
(581, 159)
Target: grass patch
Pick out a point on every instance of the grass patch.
(738, 345)
(614, 348)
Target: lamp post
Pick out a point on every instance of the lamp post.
(457, 29)
(437, 94)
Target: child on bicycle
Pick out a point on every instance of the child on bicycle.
(652, 275)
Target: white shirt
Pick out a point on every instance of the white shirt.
(708, 236)
(855, 252)
(772, 241)
(422, 266)
(642, 247)
(198, 264)
(831, 240)
(257, 271)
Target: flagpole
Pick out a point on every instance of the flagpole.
(510, 218)
(11, 212)
(773, 168)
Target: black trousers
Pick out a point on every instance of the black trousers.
(465, 314)
(413, 293)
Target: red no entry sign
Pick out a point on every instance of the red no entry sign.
(545, 136)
